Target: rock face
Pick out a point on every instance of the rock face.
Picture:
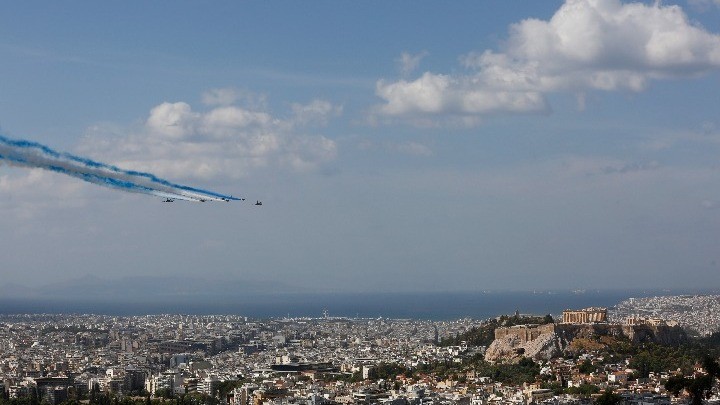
(664, 335)
(534, 341)
(543, 342)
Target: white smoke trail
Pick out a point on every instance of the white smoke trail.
(32, 154)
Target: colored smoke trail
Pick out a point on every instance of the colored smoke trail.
(32, 154)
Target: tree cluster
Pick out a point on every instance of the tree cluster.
(699, 385)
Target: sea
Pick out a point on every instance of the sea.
(405, 305)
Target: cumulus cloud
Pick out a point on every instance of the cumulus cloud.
(587, 45)
(225, 141)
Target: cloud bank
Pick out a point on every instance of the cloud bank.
(587, 45)
(225, 141)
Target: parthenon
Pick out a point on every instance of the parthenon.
(587, 315)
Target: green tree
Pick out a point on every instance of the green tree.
(225, 387)
(584, 390)
(166, 393)
(586, 367)
(608, 398)
(555, 386)
(699, 387)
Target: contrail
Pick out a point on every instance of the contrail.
(32, 154)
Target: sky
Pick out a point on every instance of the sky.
(396, 146)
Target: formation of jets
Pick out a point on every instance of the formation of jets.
(257, 202)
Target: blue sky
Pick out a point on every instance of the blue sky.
(397, 146)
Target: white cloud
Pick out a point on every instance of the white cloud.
(223, 96)
(409, 62)
(172, 120)
(587, 45)
(436, 94)
(226, 141)
(316, 112)
(32, 191)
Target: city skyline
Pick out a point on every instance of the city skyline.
(396, 147)
(637, 350)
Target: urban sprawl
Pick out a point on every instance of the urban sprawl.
(227, 359)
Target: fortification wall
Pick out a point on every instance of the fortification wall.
(546, 341)
(588, 331)
(662, 334)
(524, 333)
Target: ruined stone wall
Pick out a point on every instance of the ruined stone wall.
(662, 334)
(669, 335)
(546, 341)
(525, 333)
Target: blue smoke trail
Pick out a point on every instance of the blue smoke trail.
(32, 154)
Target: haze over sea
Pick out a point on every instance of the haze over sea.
(415, 305)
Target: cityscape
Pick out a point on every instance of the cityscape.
(283, 202)
(236, 360)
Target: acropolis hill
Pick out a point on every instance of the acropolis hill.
(553, 339)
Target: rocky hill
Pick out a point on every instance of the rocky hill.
(552, 340)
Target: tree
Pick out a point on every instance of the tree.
(34, 400)
(166, 393)
(586, 367)
(675, 384)
(225, 387)
(608, 398)
(699, 387)
(711, 366)
(584, 390)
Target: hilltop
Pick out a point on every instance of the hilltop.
(543, 342)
